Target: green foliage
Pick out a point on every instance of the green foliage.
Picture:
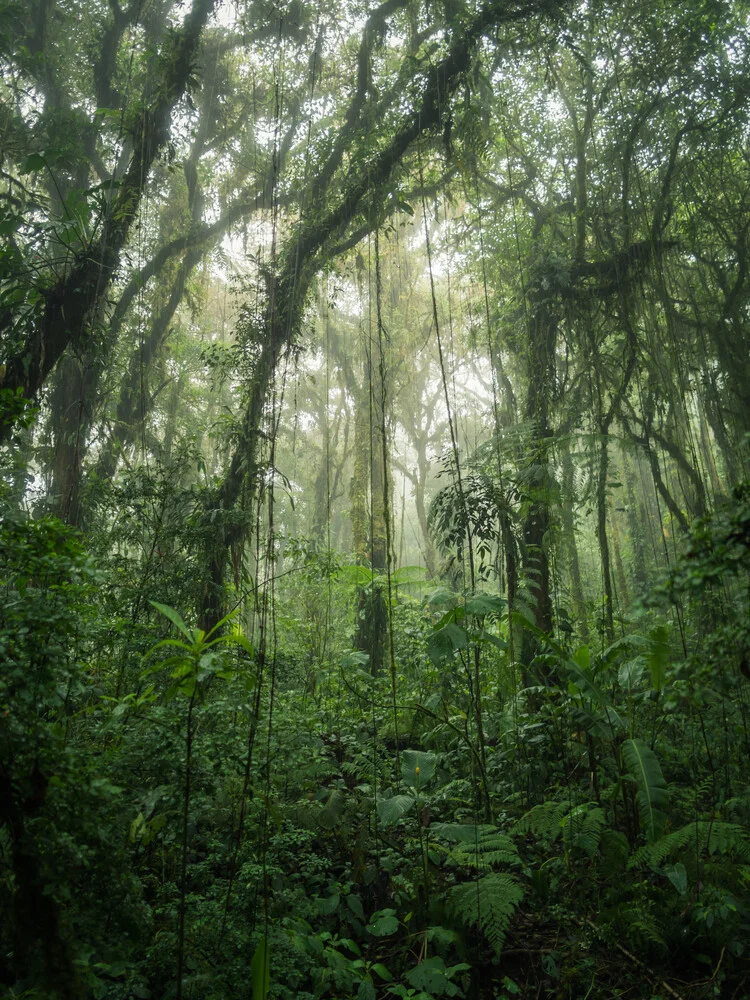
(653, 796)
(370, 774)
(480, 848)
(711, 837)
(417, 767)
(489, 904)
(260, 970)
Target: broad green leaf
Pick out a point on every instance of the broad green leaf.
(383, 923)
(430, 976)
(260, 970)
(10, 224)
(366, 989)
(582, 657)
(677, 875)
(658, 659)
(332, 811)
(359, 576)
(493, 640)
(172, 615)
(239, 640)
(328, 905)
(442, 596)
(354, 658)
(32, 163)
(630, 674)
(406, 576)
(443, 643)
(653, 796)
(391, 810)
(355, 905)
(417, 767)
(485, 604)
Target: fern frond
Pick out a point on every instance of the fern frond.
(582, 828)
(542, 820)
(494, 848)
(641, 928)
(729, 838)
(714, 837)
(488, 904)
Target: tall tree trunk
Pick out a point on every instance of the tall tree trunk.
(637, 521)
(536, 524)
(569, 535)
(601, 526)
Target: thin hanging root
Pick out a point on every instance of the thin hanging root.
(449, 409)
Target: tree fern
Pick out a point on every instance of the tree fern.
(644, 767)
(488, 904)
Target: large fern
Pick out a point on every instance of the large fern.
(542, 820)
(715, 837)
(479, 847)
(653, 796)
(492, 849)
(582, 828)
(488, 904)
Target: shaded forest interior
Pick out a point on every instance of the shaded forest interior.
(374, 498)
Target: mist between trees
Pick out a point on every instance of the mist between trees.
(374, 440)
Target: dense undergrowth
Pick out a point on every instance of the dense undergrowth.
(233, 815)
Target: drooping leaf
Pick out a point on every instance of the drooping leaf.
(172, 615)
(332, 811)
(658, 659)
(493, 640)
(582, 657)
(630, 674)
(653, 796)
(677, 875)
(442, 596)
(328, 905)
(485, 604)
(391, 810)
(260, 970)
(443, 643)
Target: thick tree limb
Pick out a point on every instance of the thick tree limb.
(73, 302)
(310, 247)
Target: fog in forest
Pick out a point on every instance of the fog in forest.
(374, 499)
